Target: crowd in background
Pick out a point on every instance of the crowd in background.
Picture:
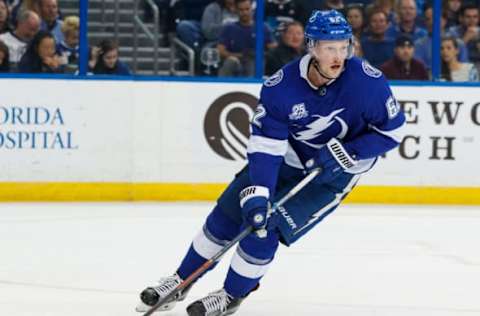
(36, 38)
(393, 35)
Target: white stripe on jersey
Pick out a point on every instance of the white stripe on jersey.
(270, 146)
(395, 134)
(291, 158)
(246, 269)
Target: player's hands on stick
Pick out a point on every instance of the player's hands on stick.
(255, 205)
(332, 159)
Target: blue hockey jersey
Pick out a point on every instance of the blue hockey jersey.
(294, 119)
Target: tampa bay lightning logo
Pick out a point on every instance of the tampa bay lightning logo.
(371, 71)
(275, 79)
(314, 130)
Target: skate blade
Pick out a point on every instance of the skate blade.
(142, 307)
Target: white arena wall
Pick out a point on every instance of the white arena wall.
(94, 140)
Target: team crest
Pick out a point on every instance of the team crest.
(275, 79)
(371, 71)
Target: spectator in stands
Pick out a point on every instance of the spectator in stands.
(386, 6)
(166, 16)
(423, 46)
(23, 5)
(452, 68)
(237, 43)
(403, 66)
(377, 47)
(333, 5)
(28, 24)
(407, 21)
(355, 16)
(40, 56)
(216, 15)
(104, 60)
(468, 30)
(278, 12)
(50, 19)
(68, 48)
(291, 47)
(189, 29)
(4, 16)
(32, 5)
(452, 11)
(4, 58)
(305, 8)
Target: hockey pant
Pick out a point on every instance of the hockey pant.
(254, 255)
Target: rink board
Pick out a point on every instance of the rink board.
(69, 140)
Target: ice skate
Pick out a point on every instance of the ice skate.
(217, 303)
(151, 295)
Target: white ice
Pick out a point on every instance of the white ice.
(93, 259)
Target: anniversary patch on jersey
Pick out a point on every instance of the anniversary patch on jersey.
(298, 112)
(393, 108)
(371, 71)
(275, 79)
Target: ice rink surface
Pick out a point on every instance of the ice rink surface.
(94, 259)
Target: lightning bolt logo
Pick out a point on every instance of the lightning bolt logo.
(315, 128)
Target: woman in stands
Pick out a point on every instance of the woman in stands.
(452, 68)
(40, 56)
(4, 58)
(356, 17)
(4, 16)
(104, 60)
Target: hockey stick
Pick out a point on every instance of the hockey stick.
(204, 267)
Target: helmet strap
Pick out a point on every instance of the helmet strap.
(319, 71)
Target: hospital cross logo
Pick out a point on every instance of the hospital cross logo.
(227, 124)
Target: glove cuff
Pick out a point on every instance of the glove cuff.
(340, 154)
(253, 191)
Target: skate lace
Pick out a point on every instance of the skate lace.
(166, 285)
(216, 301)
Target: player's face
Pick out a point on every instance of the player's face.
(330, 56)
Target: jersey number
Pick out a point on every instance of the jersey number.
(260, 112)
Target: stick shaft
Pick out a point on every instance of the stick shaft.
(204, 267)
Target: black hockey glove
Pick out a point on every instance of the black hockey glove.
(332, 159)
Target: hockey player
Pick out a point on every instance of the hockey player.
(327, 110)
